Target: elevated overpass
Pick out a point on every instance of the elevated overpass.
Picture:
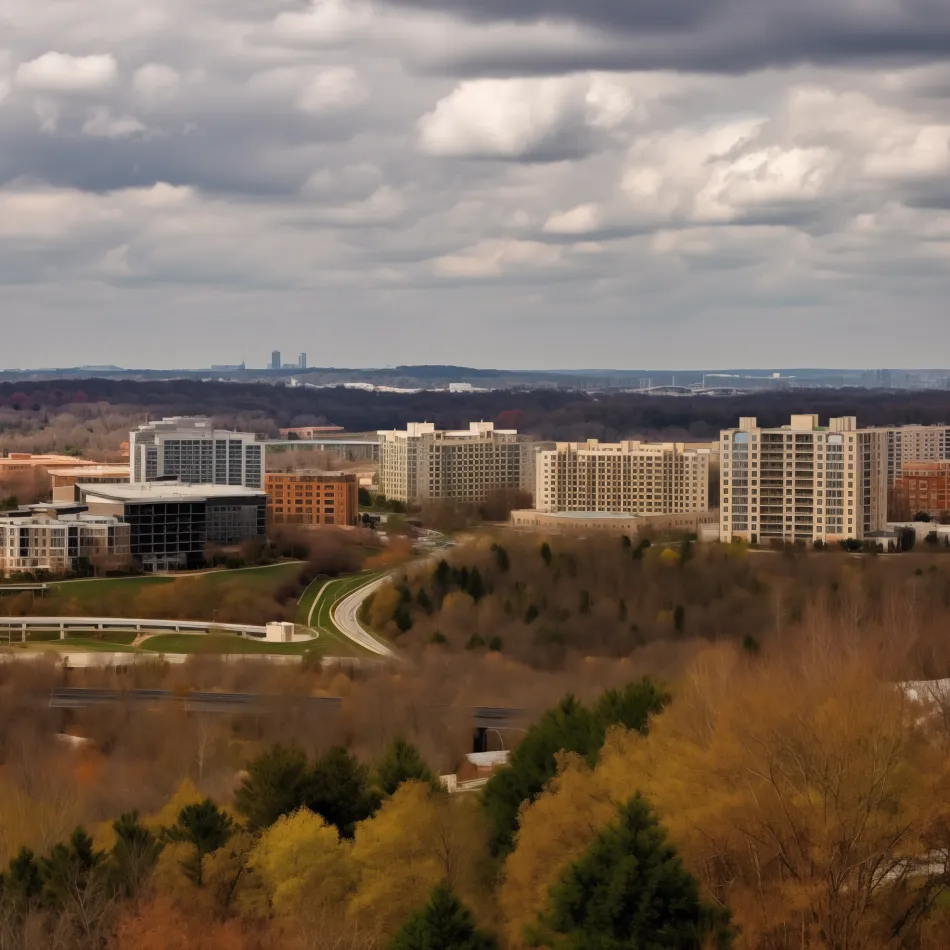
(78, 625)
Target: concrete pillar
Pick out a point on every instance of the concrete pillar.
(62, 631)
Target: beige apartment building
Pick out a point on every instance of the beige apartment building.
(643, 478)
(420, 463)
(802, 482)
(57, 539)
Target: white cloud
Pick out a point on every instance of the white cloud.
(155, 82)
(494, 258)
(503, 118)
(332, 90)
(580, 220)
(103, 124)
(60, 72)
(918, 154)
(327, 23)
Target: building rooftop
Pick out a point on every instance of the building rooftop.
(21, 458)
(591, 515)
(116, 470)
(311, 473)
(165, 491)
(53, 513)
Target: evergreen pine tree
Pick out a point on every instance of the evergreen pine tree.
(402, 763)
(22, 882)
(339, 791)
(630, 889)
(277, 783)
(70, 868)
(444, 923)
(206, 828)
(134, 854)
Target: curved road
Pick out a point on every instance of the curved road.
(344, 614)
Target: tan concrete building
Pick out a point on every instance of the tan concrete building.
(420, 463)
(802, 482)
(66, 478)
(624, 477)
(310, 432)
(18, 463)
(57, 539)
(312, 498)
(530, 519)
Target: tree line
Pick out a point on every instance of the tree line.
(548, 601)
(92, 413)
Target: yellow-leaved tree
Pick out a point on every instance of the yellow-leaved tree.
(419, 837)
(303, 864)
(806, 794)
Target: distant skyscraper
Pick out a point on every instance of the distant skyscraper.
(302, 361)
(275, 359)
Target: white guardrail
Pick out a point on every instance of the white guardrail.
(9, 625)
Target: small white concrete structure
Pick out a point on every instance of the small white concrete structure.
(279, 631)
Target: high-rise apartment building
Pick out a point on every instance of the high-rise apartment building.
(624, 477)
(802, 482)
(302, 361)
(191, 450)
(275, 359)
(420, 463)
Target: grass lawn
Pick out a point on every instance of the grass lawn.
(87, 593)
(183, 643)
(307, 598)
(81, 645)
(108, 637)
(335, 591)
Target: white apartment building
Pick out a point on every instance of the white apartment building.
(57, 539)
(422, 463)
(906, 444)
(191, 450)
(802, 482)
(641, 478)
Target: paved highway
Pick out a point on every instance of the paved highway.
(345, 615)
(80, 697)
(66, 697)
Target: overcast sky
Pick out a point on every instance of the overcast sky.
(510, 183)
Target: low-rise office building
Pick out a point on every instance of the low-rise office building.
(312, 498)
(25, 463)
(422, 464)
(173, 524)
(640, 478)
(59, 539)
(66, 478)
(310, 432)
(189, 449)
(802, 482)
(609, 522)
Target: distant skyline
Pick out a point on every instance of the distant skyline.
(517, 184)
(290, 368)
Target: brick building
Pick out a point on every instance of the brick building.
(312, 498)
(924, 486)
